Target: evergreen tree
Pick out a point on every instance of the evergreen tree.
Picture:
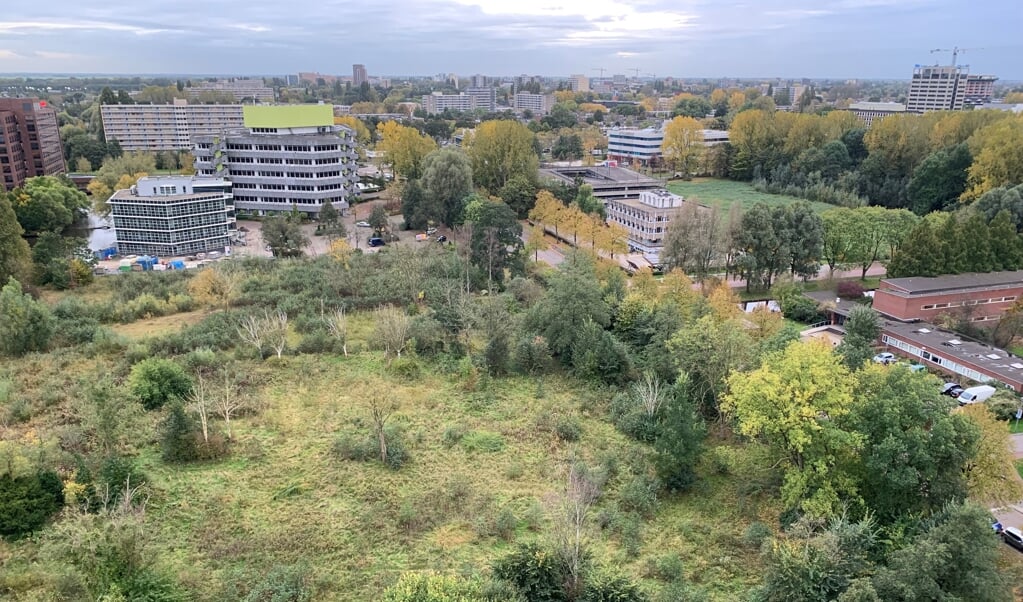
(1006, 245)
(861, 332)
(679, 442)
(25, 324)
(920, 255)
(179, 435)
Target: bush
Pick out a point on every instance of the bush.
(482, 441)
(282, 584)
(366, 448)
(756, 534)
(505, 524)
(801, 309)
(156, 381)
(419, 587)
(630, 419)
(639, 495)
(26, 502)
(667, 568)
(1003, 404)
(606, 587)
(850, 289)
(406, 368)
(114, 473)
(538, 573)
(179, 436)
(568, 428)
(453, 434)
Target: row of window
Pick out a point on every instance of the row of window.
(948, 364)
(968, 302)
(288, 201)
(170, 237)
(186, 248)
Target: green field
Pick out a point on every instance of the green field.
(725, 193)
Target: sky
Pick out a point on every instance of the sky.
(683, 38)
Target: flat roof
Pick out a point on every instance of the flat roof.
(895, 107)
(953, 282)
(1000, 364)
(601, 176)
(287, 116)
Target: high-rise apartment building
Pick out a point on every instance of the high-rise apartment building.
(937, 88)
(979, 89)
(29, 141)
(241, 89)
(539, 104)
(484, 98)
(479, 81)
(156, 128)
(646, 219)
(289, 156)
(173, 216)
(359, 75)
(438, 102)
(579, 83)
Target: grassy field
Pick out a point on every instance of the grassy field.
(725, 193)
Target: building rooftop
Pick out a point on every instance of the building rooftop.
(600, 176)
(999, 363)
(895, 107)
(952, 282)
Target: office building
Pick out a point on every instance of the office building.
(977, 297)
(635, 144)
(438, 102)
(979, 89)
(484, 98)
(646, 218)
(608, 183)
(539, 104)
(479, 81)
(242, 90)
(869, 112)
(1001, 106)
(937, 88)
(579, 83)
(29, 141)
(359, 75)
(287, 157)
(170, 127)
(173, 216)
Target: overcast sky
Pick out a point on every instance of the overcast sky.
(687, 38)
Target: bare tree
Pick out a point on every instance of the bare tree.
(201, 403)
(380, 412)
(650, 393)
(251, 332)
(337, 325)
(228, 403)
(276, 328)
(581, 492)
(693, 242)
(393, 329)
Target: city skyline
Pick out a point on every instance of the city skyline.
(867, 39)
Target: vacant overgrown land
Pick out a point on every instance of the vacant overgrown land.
(725, 193)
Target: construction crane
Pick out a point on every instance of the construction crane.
(955, 52)
(602, 70)
(635, 73)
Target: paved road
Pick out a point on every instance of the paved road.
(552, 256)
(1017, 445)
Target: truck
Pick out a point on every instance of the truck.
(976, 394)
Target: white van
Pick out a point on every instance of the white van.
(976, 394)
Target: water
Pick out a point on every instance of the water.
(97, 229)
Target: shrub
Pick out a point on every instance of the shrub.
(629, 418)
(850, 289)
(568, 428)
(155, 381)
(606, 587)
(407, 368)
(1003, 404)
(366, 448)
(505, 524)
(801, 309)
(756, 534)
(282, 584)
(453, 434)
(26, 502)
(482, 441)
(639, 494)
(419, 587)
(496, 355)
(316, 341)
(179, 436)
(667, 568)
(115, 472)
(538, 573)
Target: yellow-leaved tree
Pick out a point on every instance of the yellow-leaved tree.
(405, 148)
(683, 144)
(997, 157)
(990, 475)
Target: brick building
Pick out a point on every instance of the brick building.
(29, 141)
(978, 297)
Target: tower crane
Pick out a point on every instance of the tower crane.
(635, 73)
(955, 50)
(602, 70)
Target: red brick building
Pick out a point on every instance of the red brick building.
(978, 297)
(29, 141)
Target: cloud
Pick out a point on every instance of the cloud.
(8, 54)
(18, 27)
(55, 56)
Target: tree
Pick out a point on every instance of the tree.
(201, 403)
(392, 329)
(683, 145)
(47, 204)
(765, 243)
(178, 442)
(496, 240)
(378, 219)
(500, 150)
(693, 242)
(28, 501)
(548, 210)
(862, 329)
(567, 146)
(275, 330)
(581, 492)
(337, 326)
(1003, 198)
(537, 242)
(214, 287)
(680, 433)
(997, 157)
(417, 208)
(155, 381)
(939, 180)
(358, 127)
(284, 236)
(867, 231)
(447, 180)
(753, 137)
(380, 412)
(118, 173)
(330, 220)
(520, 194)
(62, 262)
(917, 256)
(14, 251)
(692, 107)
(990, 471)
(837, 237)
(227, 402)
(405, 148)
(26, 325)
(574, 298)
(794, 401)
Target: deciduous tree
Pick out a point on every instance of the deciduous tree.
(447, 181)
(500, 150)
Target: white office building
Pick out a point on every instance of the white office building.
(869, 112)
(438, 102)
(169, 127)
(539, 104)
(243, 90)
(937, 88)
(646, 219)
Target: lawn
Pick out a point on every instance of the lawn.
(725, 193)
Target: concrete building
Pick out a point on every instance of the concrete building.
(484, 98)
(479, 81)
(170, 127)
(1001, 106)
(243, 90)
(978, 297)
(579, 83)
(438, 102)
(635, 144)
(539, 104)
(290, 156)
(312, 77)
(868, 112)
(359, 75)
(608, 183)
(173, 216)
(29, 141)
(979, 89)
(645, 218)
(952, 353)
(937, 88)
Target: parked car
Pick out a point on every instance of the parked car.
(362, 225)
(376, 241)
(976, 394)
(885, 358)
(951, 389)
(1013, 537)
(430, 231)
(442, 238)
